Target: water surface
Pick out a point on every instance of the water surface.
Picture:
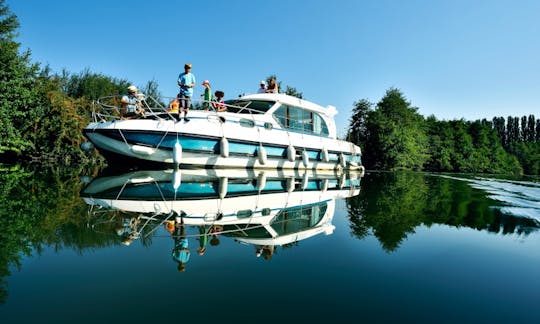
(383, 247)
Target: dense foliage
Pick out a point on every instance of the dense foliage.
(394, 136)
(42, 114)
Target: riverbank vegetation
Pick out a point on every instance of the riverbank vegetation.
(42, 114)
(395, 136)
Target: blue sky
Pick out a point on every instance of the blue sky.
(453, 59)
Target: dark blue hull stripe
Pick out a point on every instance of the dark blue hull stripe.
(211, 145)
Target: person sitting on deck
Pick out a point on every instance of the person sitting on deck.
(272, 86)
(173, 106)
(131, 103)
(219, 104)
(262, 87)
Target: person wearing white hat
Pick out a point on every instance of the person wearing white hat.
(262, 88)
(130, 104)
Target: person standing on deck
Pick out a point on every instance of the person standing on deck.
(207, 94)
(186, 82)
(180, 251)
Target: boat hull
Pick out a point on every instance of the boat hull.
(203, 142)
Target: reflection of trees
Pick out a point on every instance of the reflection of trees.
(42, 209)
(391, 205)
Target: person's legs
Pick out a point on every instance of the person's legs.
(182, 104)
(186, 109)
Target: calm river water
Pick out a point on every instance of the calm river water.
(214, 246)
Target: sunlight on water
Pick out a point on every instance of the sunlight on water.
(519, 198)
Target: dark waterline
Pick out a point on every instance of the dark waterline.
(408, 247)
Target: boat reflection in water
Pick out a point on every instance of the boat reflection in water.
(264, 208)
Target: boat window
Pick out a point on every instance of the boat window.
(319, 126)
(280, 115)
(297, 219)
(307, 121)
(300, 120)
(255, 106)
(295, 118)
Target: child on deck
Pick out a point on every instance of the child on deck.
(219, 104)
(207, 94)
(173, 106)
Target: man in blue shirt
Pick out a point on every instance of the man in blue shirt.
(181, 251)
(186, 82)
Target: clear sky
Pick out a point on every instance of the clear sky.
(454, 59)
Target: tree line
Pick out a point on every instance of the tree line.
(393, 136)
(42, 114)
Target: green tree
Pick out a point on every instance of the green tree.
(500, 128)
(537, 136)
(17, 88)
(397, 138)
(517, 132)
(530, 129)
(441, 145)
(92, 85)
(291, 91)
(524, 129)
(358, 131)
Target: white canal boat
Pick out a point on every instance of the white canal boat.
(272, 131)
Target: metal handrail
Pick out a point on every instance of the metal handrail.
(107, 108)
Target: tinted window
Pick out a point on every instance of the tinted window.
(255, 106)
(295, 118)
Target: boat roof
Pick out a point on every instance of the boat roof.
(292, 101)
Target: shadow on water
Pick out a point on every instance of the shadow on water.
(391, 205)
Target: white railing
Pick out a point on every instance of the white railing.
(109, 108)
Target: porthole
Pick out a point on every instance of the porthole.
(247, 123)
(244, 213)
